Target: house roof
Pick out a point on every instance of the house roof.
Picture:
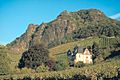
(80, 49)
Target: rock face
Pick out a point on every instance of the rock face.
(21, 43)
(61, 29)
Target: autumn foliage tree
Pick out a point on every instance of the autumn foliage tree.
(34, 57)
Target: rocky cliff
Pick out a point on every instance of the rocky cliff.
(21, 43)
(66, 27)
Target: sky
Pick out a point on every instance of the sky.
(16, 15)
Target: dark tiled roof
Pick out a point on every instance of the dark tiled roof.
(80, 49)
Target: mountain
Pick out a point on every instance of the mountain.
(21, 43)
(67, 27)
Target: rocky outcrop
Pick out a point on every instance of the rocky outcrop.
(21, 43)
(61, 29)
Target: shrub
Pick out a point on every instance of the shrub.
(99, 59)
(61, 65)
(79, 64)
(51, 64)
(26, 70)
(42, 68)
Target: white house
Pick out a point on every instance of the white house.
(84, 55)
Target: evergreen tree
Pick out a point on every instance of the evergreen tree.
(95, 49)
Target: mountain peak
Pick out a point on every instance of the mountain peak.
(64, 12)
(63, 29)
(31, 28)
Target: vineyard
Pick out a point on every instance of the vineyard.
(105, 41)
(107, 70)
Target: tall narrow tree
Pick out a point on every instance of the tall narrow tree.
(95, 49)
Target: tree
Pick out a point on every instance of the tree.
(69, 52)
(51, 64)
(89, 47)
(34, 57)
(70, 58)
(61, 65)
(95, 49)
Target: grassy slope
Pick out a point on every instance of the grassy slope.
(55, 52)
(14, 59)
(108, 68)
(64, 47)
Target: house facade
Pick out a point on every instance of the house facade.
(81, 54)
(85, 57)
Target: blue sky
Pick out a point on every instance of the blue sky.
(15, 15)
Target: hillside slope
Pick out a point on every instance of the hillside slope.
(67, 27)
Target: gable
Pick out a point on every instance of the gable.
(87, 52)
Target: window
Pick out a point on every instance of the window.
(91, 57)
